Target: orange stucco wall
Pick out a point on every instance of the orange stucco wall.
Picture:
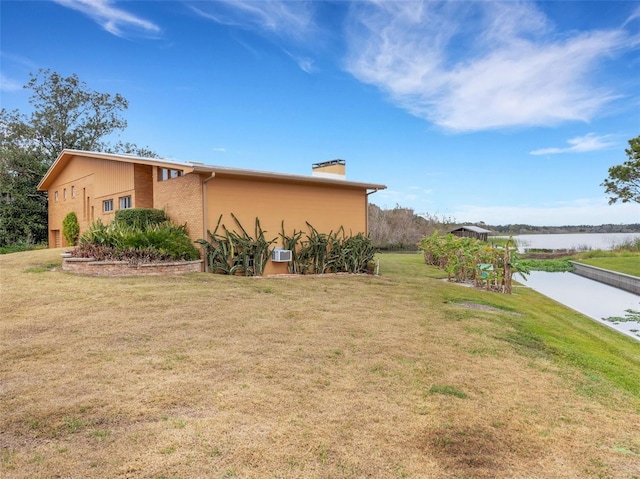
(325, 207)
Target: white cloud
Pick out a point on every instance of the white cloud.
(594, 211)
(220, 149)
(289, 22)
(469, 66)
(305, 63)
(7, 84)
(283, 18)
(579, 144)
(114, 20)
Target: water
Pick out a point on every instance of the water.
(591, 298)
(578, 241)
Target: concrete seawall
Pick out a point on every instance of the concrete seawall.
(612, 278)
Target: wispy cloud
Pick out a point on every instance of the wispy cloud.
(580, 144)
(282, 18)
(8, 84)
(469, 66)
(219, 149)
(305, 63)
(290, 24)
(113, 19)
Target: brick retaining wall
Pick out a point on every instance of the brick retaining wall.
(91, 267)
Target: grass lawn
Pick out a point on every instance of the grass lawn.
(622, 264)
(397, 376)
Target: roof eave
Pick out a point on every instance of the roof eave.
(289, 177)
(67, 154)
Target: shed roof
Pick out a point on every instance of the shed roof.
(475, 229)
(194, 167)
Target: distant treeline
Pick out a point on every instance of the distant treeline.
(401, 228)
(528, 229)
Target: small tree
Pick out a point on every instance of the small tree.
(71, 229)
(623, 182)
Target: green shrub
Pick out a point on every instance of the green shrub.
(153, 242)
(167, 238)
(140, 217)
(549, 265)
(71, 228)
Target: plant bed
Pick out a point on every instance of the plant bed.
(91, 267)
(139, 243)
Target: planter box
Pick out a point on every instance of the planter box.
(91, 267)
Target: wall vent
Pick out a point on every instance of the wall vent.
(279, 255)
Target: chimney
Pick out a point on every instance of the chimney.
(335, 169)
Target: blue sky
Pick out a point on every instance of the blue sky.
(502, 112)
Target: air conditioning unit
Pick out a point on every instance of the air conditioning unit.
(280, 255)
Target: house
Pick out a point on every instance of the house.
(96, 185)
(471, 232)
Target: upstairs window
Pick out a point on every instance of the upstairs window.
(73, 192)
(107, 206)
(125, 202)
(165, 174)
(55, 195)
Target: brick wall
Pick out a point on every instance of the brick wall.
(89, 267)
(143, 184)
(181, 199)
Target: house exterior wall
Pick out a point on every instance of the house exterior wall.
(80, 182)
(81, 187)
(143, 181)
(181, 200)
(325, 207)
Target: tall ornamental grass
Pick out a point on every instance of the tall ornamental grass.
(230, 252)
(235, 251)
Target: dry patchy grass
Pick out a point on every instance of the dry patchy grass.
(336, 376)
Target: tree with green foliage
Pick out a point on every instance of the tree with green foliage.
(66, 114)
(623, 182)
(71, 228)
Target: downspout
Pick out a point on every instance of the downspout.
(204, 214)
(366, 221)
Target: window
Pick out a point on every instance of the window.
(55, 195)
(64, 194)
(73, 192)
(165, 174)
(107, 206)
(125, 202)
